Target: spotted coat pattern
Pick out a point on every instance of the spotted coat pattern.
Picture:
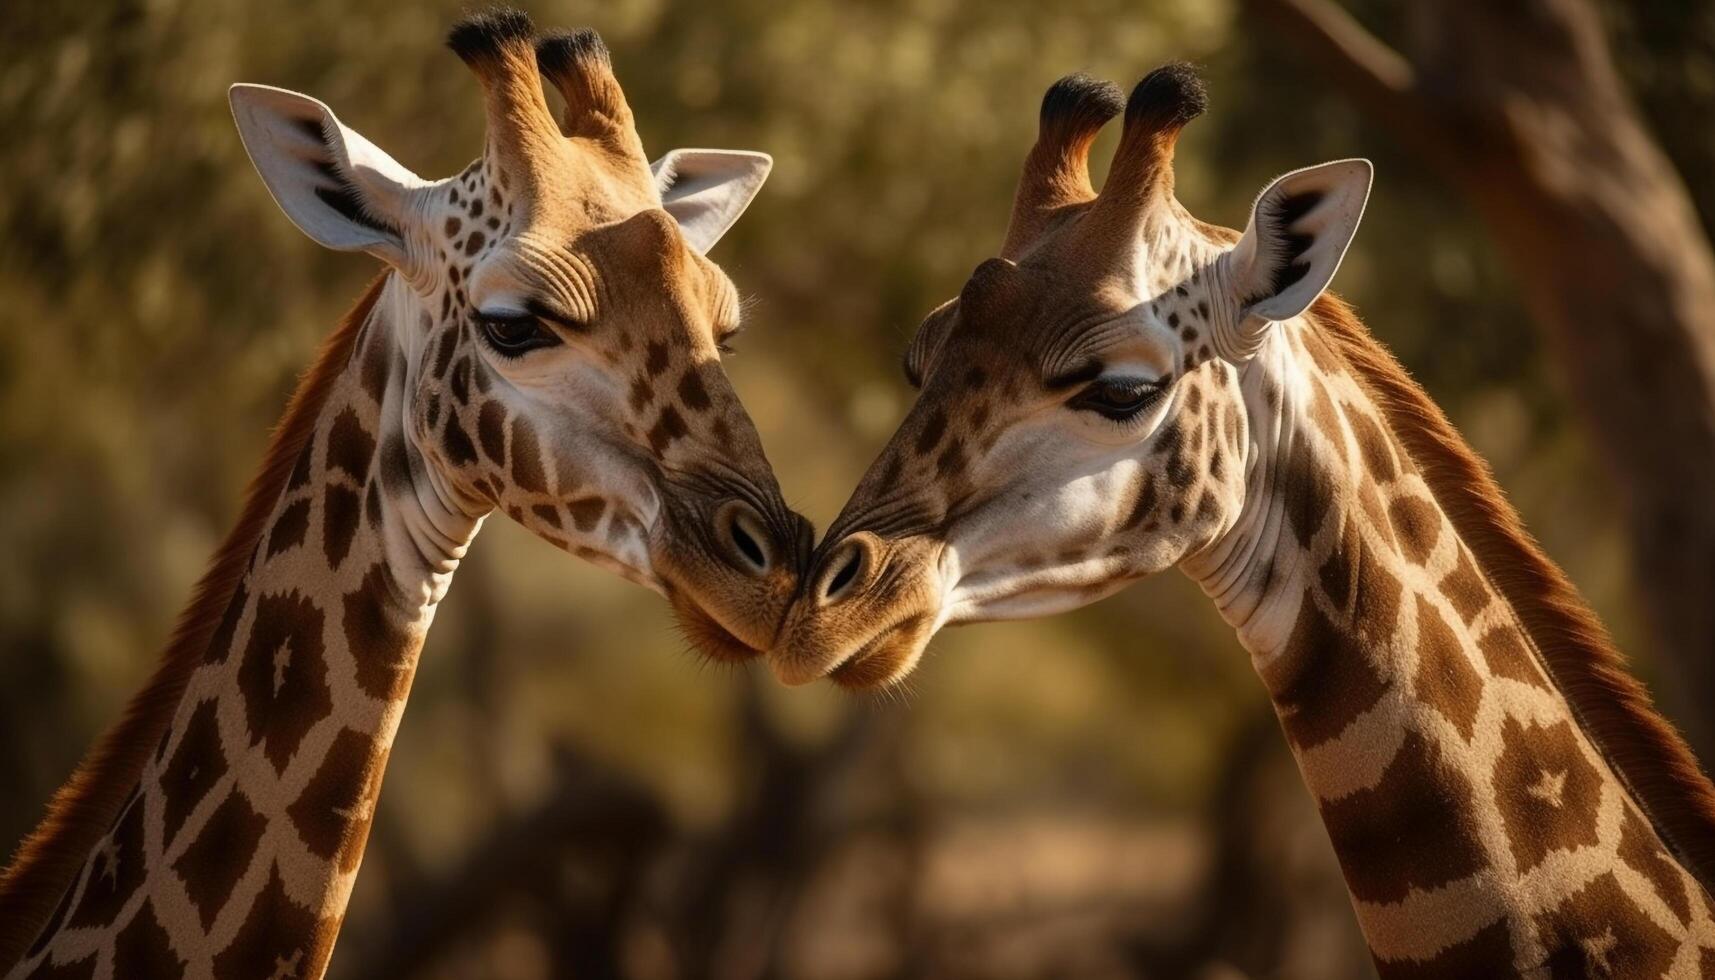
(236, 850)
(241, 841)
(1480, 830)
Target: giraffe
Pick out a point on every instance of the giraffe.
(545, 341)
(1126, 389)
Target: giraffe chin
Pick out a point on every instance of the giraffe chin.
(707, 636)
(886, 658)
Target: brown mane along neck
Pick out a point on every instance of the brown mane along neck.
(83, 809)
(1613, 707)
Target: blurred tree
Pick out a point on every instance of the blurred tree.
(1520, 105)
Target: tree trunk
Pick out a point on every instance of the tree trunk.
(1519, 104)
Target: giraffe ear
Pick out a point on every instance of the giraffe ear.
(707, 190)
(1299, 229)
(337, 187)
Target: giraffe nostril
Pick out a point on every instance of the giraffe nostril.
(748, 545)
(746, 535)
(846, 564)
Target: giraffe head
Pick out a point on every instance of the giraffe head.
(557, 325)
(1080, 421)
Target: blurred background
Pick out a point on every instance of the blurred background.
(1102, 794)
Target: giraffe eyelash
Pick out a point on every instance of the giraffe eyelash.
(1119, 400)
(514, 335)
(723, 343)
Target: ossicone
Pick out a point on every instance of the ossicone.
(481, 39)
(1166, 99)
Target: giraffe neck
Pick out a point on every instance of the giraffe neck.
(1479, 828)
(239, 843)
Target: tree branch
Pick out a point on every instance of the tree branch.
(1357, 61)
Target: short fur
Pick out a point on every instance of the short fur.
(1057, 171)
(1077, 107)
(51, 856)
(1167, 98)
(579, 66)
(1613, 708)
(562, 53)
(481, 38)
(1158, 109)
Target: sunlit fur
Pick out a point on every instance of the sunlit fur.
(83, 809)
(996, 500)
(1499, 791)
(621, 441)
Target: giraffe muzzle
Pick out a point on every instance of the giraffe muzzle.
(868, 607)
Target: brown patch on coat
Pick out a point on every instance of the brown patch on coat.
(333, 814)
(341, 511)
(289, 528)
(1642, 851)
(276, 932)
(224, 846)
(350, 447)
(115, 872)
(197, 764)
(1412, 829)
(143, 948)
(1328, 679)
(384, 651)
(491, 431)
(1613, 707)
(455, 441)
(1464, 587)
(526, 457)
(1445, 679)
(1547, 791)
(586, 512)
(693, 393)
(1373, 445)
(669, 427)
(930, 435)
(283, 676)
(1489, 953)
(1416, 526)
(1308, 494)
(1503, 649)
(1599, 932)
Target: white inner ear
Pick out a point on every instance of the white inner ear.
(707, 190)
(1298, 234)
(337, 187)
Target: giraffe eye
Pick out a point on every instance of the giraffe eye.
(1118, 399)
(513, 334)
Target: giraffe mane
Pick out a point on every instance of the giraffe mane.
(1615, 710)
(47, 860)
